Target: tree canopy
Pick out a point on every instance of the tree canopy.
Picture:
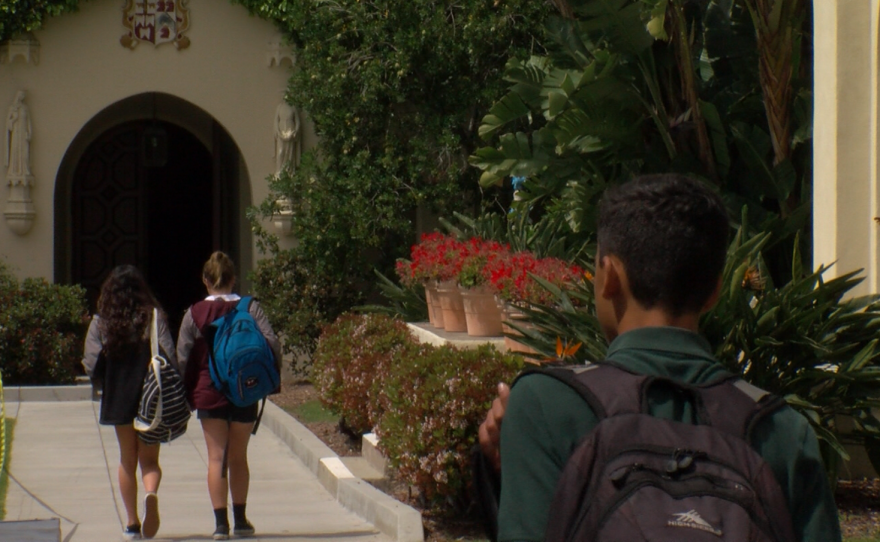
(17, 16)
(395, 90)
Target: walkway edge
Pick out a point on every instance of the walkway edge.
(393, 518)
(17, 394)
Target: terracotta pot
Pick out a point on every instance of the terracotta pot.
(452, 306)
(435, 312)
(481, 312)
(428, 303)
(514, 315)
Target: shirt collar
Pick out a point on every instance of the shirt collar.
(224, 297)
(671, 339)
(671, 352)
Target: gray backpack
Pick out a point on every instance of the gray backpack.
(637, 477)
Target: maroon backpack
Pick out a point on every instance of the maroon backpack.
(636, 477)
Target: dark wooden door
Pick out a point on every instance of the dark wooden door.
(158, 216)
(108, 208)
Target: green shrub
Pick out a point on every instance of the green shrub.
(435, 403)
(406, 302)
(26, 15)
(806, 340)
(351, 361)
(425, 403)
(297, 301)
(42, 330)
(395, 89)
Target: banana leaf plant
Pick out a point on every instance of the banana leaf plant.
(656, 86)
(805, 341)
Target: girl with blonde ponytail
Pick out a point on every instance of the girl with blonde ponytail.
(227, 428)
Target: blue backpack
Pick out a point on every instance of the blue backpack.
(241, 363)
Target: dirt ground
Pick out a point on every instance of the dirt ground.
(858, 501)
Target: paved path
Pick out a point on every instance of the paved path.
(63, 465)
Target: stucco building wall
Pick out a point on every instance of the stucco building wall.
(84, 69)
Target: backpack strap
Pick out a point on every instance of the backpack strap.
(607, 389)
(736, 407)
(244, 303)
(727, 403)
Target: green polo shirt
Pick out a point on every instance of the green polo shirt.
(545, 419)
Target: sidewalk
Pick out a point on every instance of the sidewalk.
(63, 464)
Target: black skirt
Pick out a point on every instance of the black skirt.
(122, 384)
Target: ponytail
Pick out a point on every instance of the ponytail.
(219, 271)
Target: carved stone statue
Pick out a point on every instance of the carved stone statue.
(19, 212)
(287, 138)
(18, 140)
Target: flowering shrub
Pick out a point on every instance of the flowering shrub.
(435, 257)
(507, 275)
(350, 361)
(512, 277)
(42, 330)
(436, 402)
(477, 262)
(476, 257)
(425, 403)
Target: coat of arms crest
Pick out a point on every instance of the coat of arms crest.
(155, 21)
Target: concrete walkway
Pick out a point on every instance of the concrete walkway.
(63, 465)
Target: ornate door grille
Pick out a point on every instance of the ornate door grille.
(108, 203)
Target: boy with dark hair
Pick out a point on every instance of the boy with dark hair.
(661, 250)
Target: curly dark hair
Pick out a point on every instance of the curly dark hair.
(125, 307)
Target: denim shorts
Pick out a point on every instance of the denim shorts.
(230, 413)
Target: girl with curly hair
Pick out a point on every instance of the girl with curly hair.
(116, 355)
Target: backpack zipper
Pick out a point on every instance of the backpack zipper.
(678, 456)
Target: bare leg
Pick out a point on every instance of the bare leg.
(239, 472)
(216, 438)
(151, 473)
(128, 460)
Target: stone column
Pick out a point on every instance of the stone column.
(845, 140)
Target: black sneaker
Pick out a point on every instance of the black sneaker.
(132, 532)
(221, 532)
(244, 529)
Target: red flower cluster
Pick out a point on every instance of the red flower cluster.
(478, 262)
(512, 277)
(435, 257)
(478, 256)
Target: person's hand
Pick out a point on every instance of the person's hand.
(490, 429)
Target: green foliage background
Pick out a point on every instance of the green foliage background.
(396, 90)
(18, 16)
(656, 86)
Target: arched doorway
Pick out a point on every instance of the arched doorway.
(159, 191)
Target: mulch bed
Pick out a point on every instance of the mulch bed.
(858, 501)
